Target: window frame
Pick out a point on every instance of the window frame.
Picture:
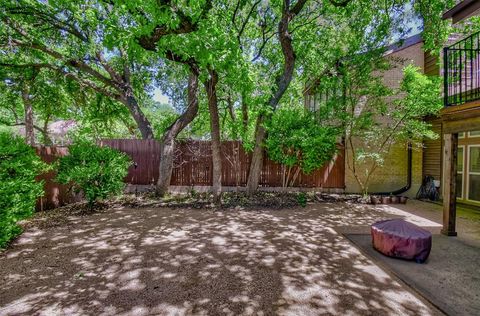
(473, 136)
(462, 195)
(476, 173)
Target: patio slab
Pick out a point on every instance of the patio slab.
(449, 279)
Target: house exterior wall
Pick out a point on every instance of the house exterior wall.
(392, 175)
(432, 151)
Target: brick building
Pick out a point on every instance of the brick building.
(426, 160)
(393, 173)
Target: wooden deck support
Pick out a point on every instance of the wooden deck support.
(450, 150)
(455, 119)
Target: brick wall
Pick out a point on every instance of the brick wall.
(393, 174)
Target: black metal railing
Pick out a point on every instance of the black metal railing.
(461, 64)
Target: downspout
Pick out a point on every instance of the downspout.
(409, 176)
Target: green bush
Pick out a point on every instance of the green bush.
(302, 199)
(19, 165)
(97, 171)
(299, 142)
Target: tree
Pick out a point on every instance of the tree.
(376, 121)
(170, 135)
(435, 28)
(198, 45)
(77, 44)
(33, 97)
(300, 141)
(160, 27)
(283, 79)
(312, 38)
(19, 86)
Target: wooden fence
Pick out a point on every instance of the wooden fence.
(192, 167)
(55, 194)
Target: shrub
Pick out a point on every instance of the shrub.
(302, 199)
(97, 171)
(299, 142)
(19, 165)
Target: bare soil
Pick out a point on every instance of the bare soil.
(186, 261)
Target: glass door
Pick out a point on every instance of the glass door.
(460, 173)
(474, 173)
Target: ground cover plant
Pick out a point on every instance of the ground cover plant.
(19, 190)
(96, 171)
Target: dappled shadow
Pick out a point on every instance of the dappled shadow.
(176, 262)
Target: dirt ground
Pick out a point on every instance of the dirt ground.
(203, 262)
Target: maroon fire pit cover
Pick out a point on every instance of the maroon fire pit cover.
(401, 239)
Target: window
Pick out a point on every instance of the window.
(460, 172)
(461, 135)
(474, 134)
(474, 173)
(321, 92)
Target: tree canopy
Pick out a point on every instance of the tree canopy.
(227, 66)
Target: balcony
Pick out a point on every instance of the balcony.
(462, 71)
(462, 85)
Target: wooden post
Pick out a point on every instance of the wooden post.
(450, 151)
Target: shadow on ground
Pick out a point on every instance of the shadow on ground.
(202, 262)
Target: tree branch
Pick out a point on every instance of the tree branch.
(340, 3)
(244, 24)
(190, 62)
(186, 25)
(50, 19)
(299, 6)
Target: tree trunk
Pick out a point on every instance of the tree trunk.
(282, 83)
(167, 149)
(244, 114)
(45, 135)
(27, 104)
(257, 158)
(210, 86)
(143, 124)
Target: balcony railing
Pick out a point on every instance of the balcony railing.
(462, 71)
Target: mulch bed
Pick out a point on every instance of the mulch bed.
(230, 201)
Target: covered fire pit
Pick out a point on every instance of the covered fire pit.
(401, 239)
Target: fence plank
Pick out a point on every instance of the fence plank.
(55, 194)
(192, 167)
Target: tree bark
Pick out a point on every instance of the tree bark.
(282, 83)
(210, 87)
(45, 135)
(167, 149)
(143, 124)
(257, 157)
(29, 126)
(244, 114)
